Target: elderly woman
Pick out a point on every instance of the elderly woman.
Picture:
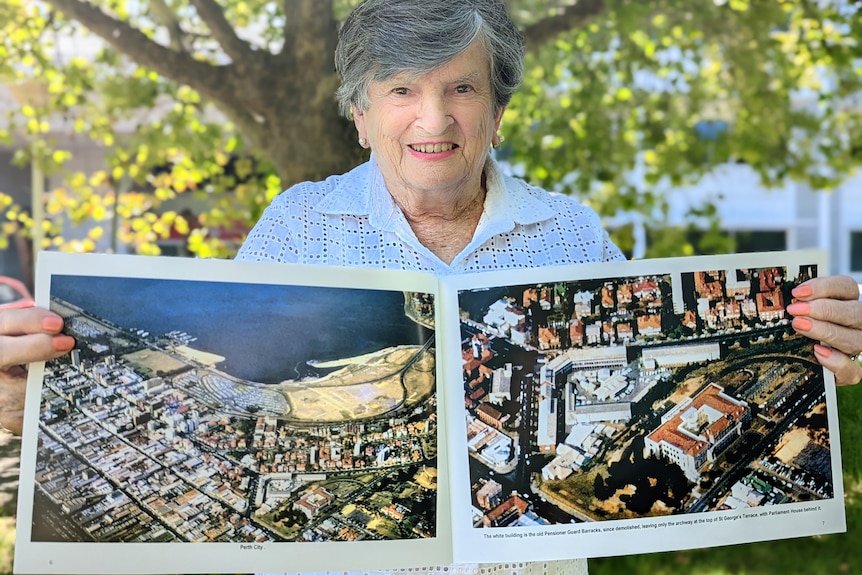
(427, 82)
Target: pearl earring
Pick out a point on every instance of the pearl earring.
(500, 139)
(362, 142)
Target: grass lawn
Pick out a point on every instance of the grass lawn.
(7, 543)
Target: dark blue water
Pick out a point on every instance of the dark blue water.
(266, 333)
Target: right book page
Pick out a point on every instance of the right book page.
(637, 406)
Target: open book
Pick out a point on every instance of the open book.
(231, 417)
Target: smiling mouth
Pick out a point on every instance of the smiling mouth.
(432, 148)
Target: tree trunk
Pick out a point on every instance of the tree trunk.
(304, 135)
(284, 102)
(295, 120)
(297, 126)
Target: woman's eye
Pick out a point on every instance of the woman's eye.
(464, 88)
(399, 91)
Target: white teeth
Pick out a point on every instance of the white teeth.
(432, 148)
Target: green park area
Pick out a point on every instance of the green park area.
(166, 127)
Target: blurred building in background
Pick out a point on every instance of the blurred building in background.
(787, 218)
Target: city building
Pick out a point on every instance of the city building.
(546, 428)
(507, 512)
(312, 502)
(491, 415)
(698, 429)
(501, 384)
(680, 355)
(573, 359)
(489, 494)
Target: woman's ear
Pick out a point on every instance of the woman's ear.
(359, 122)
(498, 117)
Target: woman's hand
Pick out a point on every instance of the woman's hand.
(828, 310)
(26, 335)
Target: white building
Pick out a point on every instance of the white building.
(790, 217)
(698, 429)
(679, 355)
(546, 429)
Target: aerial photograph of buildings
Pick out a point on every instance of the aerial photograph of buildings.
(228, 412)
(637, 397)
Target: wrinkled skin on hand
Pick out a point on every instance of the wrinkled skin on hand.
(828, 311)
(26, 336)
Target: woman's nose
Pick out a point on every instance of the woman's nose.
(434, 116)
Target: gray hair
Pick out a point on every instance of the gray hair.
(382, 38)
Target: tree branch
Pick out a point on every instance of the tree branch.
(213, 14)
(308, 23)
(170, 21)
(292, 21)
(178, 66)
(572, 17)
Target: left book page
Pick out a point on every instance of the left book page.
(233, 417)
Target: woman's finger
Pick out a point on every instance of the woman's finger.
(828, 287)
(839, 312)
(31, 334)
(847, 371)
(29, 320)
(23, 349)
(839, 326)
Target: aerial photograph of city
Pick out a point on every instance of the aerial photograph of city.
(636, 397)
(207, 411)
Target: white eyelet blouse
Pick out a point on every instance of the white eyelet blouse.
(351, 220)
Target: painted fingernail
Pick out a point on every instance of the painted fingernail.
(802, 291)
(802, 323)
(822, 350)
(799, 308)
(63, 342)
(52, 323)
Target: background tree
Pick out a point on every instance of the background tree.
(233, 101)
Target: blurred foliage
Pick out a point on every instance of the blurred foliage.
(219, 106)
(666, 90)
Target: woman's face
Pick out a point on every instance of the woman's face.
(430, 134)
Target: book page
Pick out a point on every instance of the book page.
(634, 407)
(233, 417)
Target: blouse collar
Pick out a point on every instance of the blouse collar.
(362, 192)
